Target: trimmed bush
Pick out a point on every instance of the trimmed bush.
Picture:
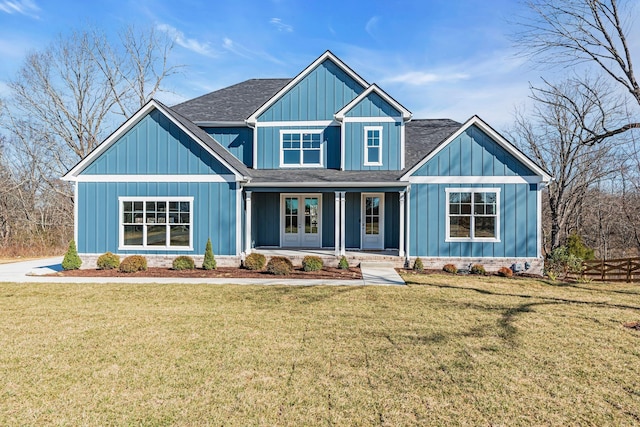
(418, 266)
(450, 268)
(478, 269)
(505, 272)
(254, 261)
(71, 259)
(133, 263)
(343, 264)
(183, 262)
(312, 263)
(209, 262)
(280, 266)
(108, 261)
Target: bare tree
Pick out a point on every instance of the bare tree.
(587, 32)
(554, 135)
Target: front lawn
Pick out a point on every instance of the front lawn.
(447, 350)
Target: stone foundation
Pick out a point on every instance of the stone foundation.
(166, 261)
(536, 265)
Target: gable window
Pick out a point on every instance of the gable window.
(373, 145)
(156, 223)
(473, 214)
(301, 148)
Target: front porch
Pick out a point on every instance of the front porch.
(330, 259)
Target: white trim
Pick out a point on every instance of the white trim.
(475, 120)
(336, 221)
(254, 147)
(407, 242)
(474, 179)
(381, 219)
(247, 220)
(301, 132)
(539, 219)
(301, 224)
(154, 178)
(402, 147)
(406, 114)
(342, 222)
(297, 123)
(327, 55)
(365, 142)
(128, 125)
(401, 225)
(323, 184)
(238, 219)
(167, 224)
(75, 212)
(343, 135)
(471, 190)
(372, 120)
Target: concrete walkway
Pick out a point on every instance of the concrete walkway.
(33, 271)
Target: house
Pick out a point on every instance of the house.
(323, 161)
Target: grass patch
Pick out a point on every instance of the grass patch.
(447, 350)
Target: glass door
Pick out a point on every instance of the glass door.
(372, 221)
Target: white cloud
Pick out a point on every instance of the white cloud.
(281, 26)
(201, 48)
(421, 78)
(371, 25)
(246, 53)
(23, 7)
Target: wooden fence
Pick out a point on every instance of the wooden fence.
(613, 270)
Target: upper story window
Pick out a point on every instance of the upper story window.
(373, 145)
(473, 214)
(156, 223)
(301, 148)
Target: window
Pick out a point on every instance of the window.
(473, 214)
(373, 145)
(301, 148)
(156, 223)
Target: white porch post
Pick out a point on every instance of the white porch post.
(247, 223)
(337, 224)
(401, 243)
(342, 222)
(407, 199)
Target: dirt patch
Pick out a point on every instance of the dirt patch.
(328, 273)
(632, 325)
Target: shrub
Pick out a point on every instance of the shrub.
(418, 265)
(343, 264)
(505, 272)
(209, 262)
(255, 261)
(183, 262)
(577, 248)
(108, 261)
(312, 263)
(477, 269)
(450, 268)
(560, 262)
(280, 266)
(71, 259)
(133, 263)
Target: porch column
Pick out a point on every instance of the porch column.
(401, 243)
(342, 222)
(407, 199)
(337, 224)
(247, 222)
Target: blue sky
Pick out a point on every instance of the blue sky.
(439, 58)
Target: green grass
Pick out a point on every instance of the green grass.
(450, 350)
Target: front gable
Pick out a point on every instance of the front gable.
(373, 106)
(155, 145)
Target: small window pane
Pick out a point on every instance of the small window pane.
(133, 235)
(311, 157)
(179, 235)
(127, 206)
(460, 226)
(478, 209)
(157, 235)
(291, 157)
(465, 197)
(184, 218)
(485, 226)
(137, 206)
(465, 209)
(173, 206)
(128, 218)
(373, 154)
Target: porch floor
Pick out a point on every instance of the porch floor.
(355, 257)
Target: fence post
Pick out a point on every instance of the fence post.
(629, 271)
(602, 266)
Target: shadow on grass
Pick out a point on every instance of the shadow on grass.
(303, 295)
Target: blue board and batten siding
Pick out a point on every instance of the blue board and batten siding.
(355, 145)
(239, 142)
(474, 153)
(156, 146)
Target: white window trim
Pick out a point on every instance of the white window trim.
(301, 164)
(472, 238)
(123, 247)
(366, 151)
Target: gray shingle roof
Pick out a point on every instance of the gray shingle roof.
(423, 136)
(231, 104)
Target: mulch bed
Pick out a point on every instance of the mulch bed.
(329, 273)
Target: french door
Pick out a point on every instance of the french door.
(300, 223)
(372, 221)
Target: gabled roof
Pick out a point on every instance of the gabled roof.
(230, 104)
(207, 142)
(477, 121)
(328, 55)
(406, 114)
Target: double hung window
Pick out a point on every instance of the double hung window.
(156, 223)
(301, 148)
(473, 214)
(373, 145)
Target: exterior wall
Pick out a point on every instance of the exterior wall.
(473, 153)
(155, 146)
(214, 215)
(373, 106)
(518, 223)
(354, 145)
(318, 96)
(239, 142)
(269, 145)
